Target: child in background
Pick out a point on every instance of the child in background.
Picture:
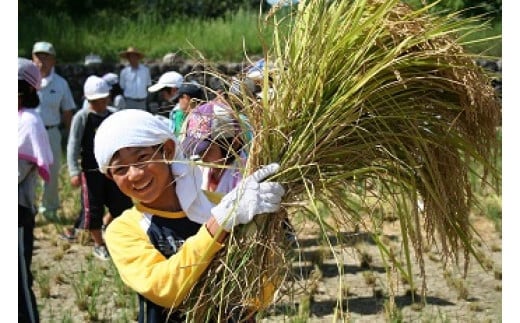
(167, 86)
(116, 92)
(214, 135)
(96, 190)
(187, 97)
(34, 158)
(163, 245)
(116, 99)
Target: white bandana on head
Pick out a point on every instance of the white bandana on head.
(138, 128)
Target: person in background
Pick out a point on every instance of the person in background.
(214, 135)
(117, 102)
(97, 191)
(134, 79)
(167, 86)
(217, 136)
(164, 244)
(34, 158)
(187, 98)
(93, 60)
(116, 99)
(56, 107)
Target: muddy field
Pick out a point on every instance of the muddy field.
(64, 269)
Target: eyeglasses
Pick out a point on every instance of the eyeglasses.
(143, 157)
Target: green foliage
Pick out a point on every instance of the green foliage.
(470, 8)
(386, 95)
(224, 38)
(224, 30)
(166, 9)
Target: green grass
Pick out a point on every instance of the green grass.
(225, 39)
(492, 46)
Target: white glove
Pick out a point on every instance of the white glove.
(249, 198)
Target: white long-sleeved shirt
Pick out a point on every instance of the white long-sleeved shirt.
(135, 82)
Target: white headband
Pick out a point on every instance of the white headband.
(130, 128)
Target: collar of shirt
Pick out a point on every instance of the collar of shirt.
(48, 79)
(191, 197)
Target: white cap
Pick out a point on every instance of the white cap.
(95, 88)
(168, 79)
(44, 47)
(93, 59)
(110, 78)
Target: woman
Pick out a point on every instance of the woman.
(34, 159)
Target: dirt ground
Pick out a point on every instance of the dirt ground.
(365, 284)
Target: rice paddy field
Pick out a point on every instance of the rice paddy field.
(389, 140)
(71, 285)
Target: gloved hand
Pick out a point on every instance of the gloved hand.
(249, 198)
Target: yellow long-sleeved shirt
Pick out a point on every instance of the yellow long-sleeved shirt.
(164, 281)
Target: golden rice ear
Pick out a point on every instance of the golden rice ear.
(375, 107)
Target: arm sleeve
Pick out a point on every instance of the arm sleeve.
(165, 282)
(74, 143)
(119, 102)
(122, 79)
(149, 81)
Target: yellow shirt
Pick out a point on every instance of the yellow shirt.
(143, 268)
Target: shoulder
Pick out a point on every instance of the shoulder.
(29, 117)
(128, 221)
(60, 79)
(30, 124)
(81, 113)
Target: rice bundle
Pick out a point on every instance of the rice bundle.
(368, 93)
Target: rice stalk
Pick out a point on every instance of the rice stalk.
(366, 92)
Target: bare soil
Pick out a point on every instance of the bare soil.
(366, 285)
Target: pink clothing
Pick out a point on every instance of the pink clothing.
(33, 141)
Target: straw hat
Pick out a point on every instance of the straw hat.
(131, 50)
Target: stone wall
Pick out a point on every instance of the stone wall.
(76, 74)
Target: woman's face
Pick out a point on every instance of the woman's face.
(143, 174)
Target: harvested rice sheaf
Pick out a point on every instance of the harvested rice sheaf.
(373, 101)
